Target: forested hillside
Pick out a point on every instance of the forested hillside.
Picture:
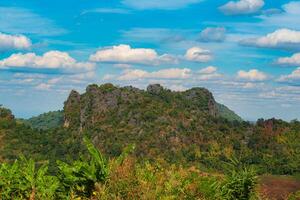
(228, 114)
(45, 121)
(185, 133)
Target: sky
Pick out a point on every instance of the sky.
(246, 52)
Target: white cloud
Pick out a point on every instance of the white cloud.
(289, 17)
(178, 88)
(294, 60)
(171, 73)
(252, 75)
(198, 54)
(158, 4)
(208, 70)
(242, 7)
(13, 42)
(208, 73)
(207, 77)
(213, 34)
(133, 74)
(126, 55)
(281, 38)
(49, 60)
(294, 77)
(82, 76)
(62, 82)
(43, 86)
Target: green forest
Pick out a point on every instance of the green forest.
(125, 143)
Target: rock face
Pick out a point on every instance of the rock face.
(72, 109)
(132, 104)
(203, 99)
(155, 89)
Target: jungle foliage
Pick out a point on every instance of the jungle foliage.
(95, 177)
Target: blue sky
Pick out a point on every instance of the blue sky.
(247, 52)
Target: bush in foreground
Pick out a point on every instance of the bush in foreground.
(95, 177)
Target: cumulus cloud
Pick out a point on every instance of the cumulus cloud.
(207, 77)
(171, 73)
(213, 34)
(64, 82)
(126, 55)
(294, 77)
(207, 73)
(178, 88)
(252, 75)
(281, 38)
(208, 70)
(197, 54)
(294, 60)
(289, 17)
(14, 42)
(242, 7)
(158, 4)
(49, 60)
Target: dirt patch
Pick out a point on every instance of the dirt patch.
(278, 187)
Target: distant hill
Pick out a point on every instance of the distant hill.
(45, 121)
(228, 114)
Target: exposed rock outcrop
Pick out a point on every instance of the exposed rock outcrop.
(133, 105)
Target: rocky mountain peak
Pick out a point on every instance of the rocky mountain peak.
(130, 104)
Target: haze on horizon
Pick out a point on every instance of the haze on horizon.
(246, 52)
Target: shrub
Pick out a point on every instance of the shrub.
(22, 180)
(80, 177)
(239, 183)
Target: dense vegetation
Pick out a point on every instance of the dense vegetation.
(228, 114)
(45, 121)
(94, 177)
(183, 143)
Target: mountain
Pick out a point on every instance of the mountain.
(45, 121)
(186, 128)
(180, 127)
(134, 104)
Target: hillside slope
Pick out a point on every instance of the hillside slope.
(228, 114)
(45, 121)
